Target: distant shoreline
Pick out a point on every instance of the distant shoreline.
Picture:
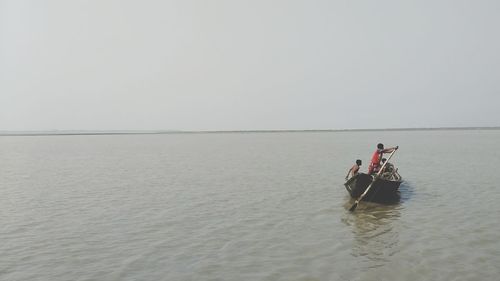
(161, 132)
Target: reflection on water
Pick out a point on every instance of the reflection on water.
(374, 234)
(375, 230)
(406, 191)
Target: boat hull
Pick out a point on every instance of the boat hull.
(382, 190)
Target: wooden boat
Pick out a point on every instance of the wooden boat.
(384, 189)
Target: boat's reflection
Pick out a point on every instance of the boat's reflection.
(375, 231)
(376, 226)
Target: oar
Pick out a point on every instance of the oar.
(374, 179)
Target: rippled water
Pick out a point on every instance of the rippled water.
(246, 206)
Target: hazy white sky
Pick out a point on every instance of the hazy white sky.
(239, 65)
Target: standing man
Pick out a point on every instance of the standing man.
(374, 166)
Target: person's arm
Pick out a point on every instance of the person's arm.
(389, 150)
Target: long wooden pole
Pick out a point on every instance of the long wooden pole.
(373, 180)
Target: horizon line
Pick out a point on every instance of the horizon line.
(150, 132)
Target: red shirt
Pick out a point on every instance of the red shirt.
(376, 157)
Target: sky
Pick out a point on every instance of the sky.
(248, 65)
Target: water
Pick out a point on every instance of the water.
(246, 206)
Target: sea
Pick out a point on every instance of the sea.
(247, 206)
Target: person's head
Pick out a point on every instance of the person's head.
(358, 162)
(383, 160)
(380, 146)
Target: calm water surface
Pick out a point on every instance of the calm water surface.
(246, 206)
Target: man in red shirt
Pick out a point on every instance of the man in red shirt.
(374, 166)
